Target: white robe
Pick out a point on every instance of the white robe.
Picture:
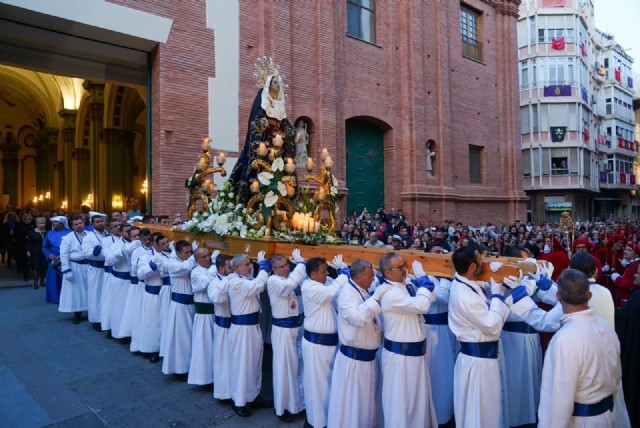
(320, 317)
(219, 296)
(442, 349)
(245, 341)
(128, 313)
(352, 402)
(582, 365)
(135, 303)
(286, 342)
(477, 394)
(149, 331)
(107, 291)
(177, 341)
(406, 386)
(73, 296)
(95, 275)
(119, 287)
(165, 299)
(201, 365)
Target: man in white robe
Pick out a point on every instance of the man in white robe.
(73, 296)
(286, 335)
(219, 296)
(92, 245)
(406, 386)
(355, 371)
(129, 311)
(320, 339)
(113, 229)
(176, 347)
(245, 335)
(201, 364)
(582, 365)
(134, 300)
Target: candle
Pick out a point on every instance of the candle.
(309, 164)
(321, 194)
(290, 191)
(205, 145)
(262, 149)
(294, 220)
(222, 158)
(255, 187)
(328, 162)
(272, 154)
(305, 227)
(290, 167)
(324, 153)
(277, 140)
(317, 227)
(200, 166)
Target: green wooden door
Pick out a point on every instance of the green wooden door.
(365, 166)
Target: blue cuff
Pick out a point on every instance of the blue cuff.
(544, 283)
(518, 293)
(96, 250)
(499, 296)
(344, 271)
(302, 262)
(424, 282)
(66, 271)
(265, 266)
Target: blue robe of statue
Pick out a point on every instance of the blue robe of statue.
(51, 245)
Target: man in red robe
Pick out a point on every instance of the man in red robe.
(557, 256)
(583, 245)
(624, 283)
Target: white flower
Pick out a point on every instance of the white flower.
(265, 178)
(231, 195)
(230, 205)
(243, 231)
(334, 180)
(277, 165)
(222, 220)
(221, 194)
(270, 199)
(282, 188)
(333, 191)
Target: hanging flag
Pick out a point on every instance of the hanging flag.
(623, 178)
(632, 179)
(618, 77)
(632, 146)
(602, 140)
(586, 134)
(585, 95)
(621, 143)
(603, 176)
(583, 48)
(630, 82)
(558, 44)
(557, 91)
(552, 3)
(601, 71)
(557, 133)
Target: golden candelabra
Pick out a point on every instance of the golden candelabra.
(324, 201)
(568, 227)
(201, 188)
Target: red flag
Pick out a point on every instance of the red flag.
(632, 179)
(601, 70)
(632, 146)
(623, 178)
(558, 44)
(552, 3)
(620, 142)
(601, 140)
(618, 77)
(584, 49)
(586, 134)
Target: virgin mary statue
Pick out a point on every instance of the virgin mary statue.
(268, 118)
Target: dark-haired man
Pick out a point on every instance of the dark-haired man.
(73, 296)
(134, 299)
(92, 246)
(582, 364)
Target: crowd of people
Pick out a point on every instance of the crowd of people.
(358, 347)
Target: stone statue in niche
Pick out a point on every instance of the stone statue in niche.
(302, 143)
(429, 163)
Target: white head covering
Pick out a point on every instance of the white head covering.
(274, 108)
(61, 219)
(93, 214)
(135, 218)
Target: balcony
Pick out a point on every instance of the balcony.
(612, 180)
(471, 49)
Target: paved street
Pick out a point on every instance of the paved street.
(54, 373)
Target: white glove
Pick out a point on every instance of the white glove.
(511, 282)
(214, 256)
(495, 266)
(418, 270)
(606, 268)
(531, 286)
(69, 276)
(380, 291)
(338, 263)
(194, 245)
(496, 287)
(550, 268)
(297, 257)
(261, 257)
(172, 245)
(624, 262)
(615, 276)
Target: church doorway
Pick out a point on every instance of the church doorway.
(365, 165)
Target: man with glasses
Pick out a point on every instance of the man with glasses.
(406, 387)
(284, 291)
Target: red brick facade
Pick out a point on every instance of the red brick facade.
(414, 83)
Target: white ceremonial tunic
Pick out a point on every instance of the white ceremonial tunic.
(176, 347)
(73, 296)
(320, 317)
(135, 300)
(149, 334)
(352, 402)
(118, 282)
(105, 300)
(165, 298)
(442, 348)
(245, 341)
(128, 313)
(219, 296)
(286, 341)
(95, 272)
(201, 365)
(406, 386)
(477, 394)
(602, 302)
(582, 365)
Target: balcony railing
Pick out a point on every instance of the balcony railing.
(471, 49)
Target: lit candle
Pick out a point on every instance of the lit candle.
(205, 145)
(222, 158)
(290, 167)
(305, 227)
(277, 140)
(309, 164)
(290, 191)
(272, 154)
(328, 162)
(321, 194)
(317, 227)
(262, 149)
(255, 187)
(324, 153)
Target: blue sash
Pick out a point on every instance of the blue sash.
(152, 289)
(121, 275)
(593, 409)
(519, 327)
(224, 322)
(97, 264)
(324, 339)
(81, 262)
(437, 319)
(290, 322)
(480, 349)
(185, 299)
(246, 319)
(166, 280)
(409, 349)
(358, 353)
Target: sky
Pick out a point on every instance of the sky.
(621, 18)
